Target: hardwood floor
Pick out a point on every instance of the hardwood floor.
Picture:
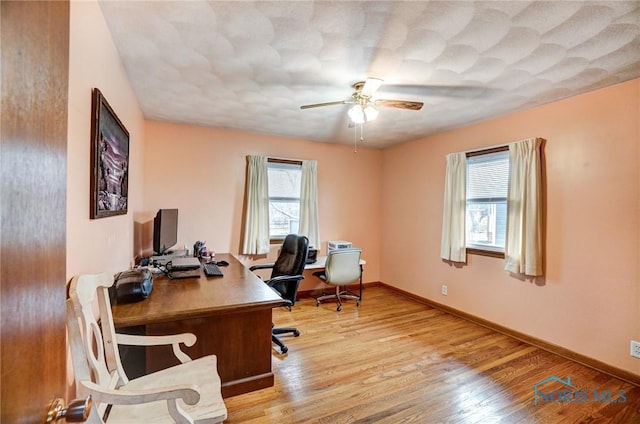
(394, 360)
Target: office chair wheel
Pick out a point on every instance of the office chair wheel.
(284, 349)
(317, 304)
(296, 333)
(339, 308)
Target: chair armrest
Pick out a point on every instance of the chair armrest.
(292, 279)
(174, 340)
(262, 266)
(283, 278)
(189, 394)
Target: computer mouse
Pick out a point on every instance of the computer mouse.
(222, 263)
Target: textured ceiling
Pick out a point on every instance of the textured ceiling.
(250, 65)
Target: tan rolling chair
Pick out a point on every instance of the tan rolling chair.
(342, 268)
(187, 392)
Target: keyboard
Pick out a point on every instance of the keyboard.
(212, 270)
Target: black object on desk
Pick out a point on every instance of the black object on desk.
(131, 286)
(211, 270)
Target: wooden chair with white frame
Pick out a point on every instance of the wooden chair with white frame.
(186, 393)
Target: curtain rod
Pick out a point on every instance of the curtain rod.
(283, 160)
(276, 158)
(487, 150)
(496, 148)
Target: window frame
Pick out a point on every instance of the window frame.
(279, 239)
(475, 250)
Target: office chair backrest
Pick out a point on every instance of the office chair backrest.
(343, 266)
(291, 261)
(292, 257)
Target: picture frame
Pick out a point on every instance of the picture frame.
(109, 160)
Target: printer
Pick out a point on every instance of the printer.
(338, 244)
(312, 256)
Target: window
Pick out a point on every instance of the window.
(281, 198)
(284, 179)
(486, 208)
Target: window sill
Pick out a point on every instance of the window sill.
(482, 252)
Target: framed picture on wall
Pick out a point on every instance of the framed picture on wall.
(109, 160)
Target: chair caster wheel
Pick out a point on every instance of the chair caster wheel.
(284, 349)
(296, 333)
(339, 308)
(317, 304)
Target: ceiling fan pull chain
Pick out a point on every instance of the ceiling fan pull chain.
(355, 139)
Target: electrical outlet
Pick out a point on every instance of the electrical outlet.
(445, 291)
(635, 349)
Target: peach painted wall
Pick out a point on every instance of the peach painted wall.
(100, 245)
(201, 171)
(589, 299)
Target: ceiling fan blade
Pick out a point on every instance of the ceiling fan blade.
(371, 85)
(455, 91)
(340, 102)
(400, 104)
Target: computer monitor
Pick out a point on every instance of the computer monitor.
(165, 231)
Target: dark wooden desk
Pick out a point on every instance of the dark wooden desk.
(230, 315)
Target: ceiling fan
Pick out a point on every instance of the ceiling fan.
(363, 101)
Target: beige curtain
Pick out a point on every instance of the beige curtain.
(453, 243)
(309, 203)
(256, 225)
(523, 249)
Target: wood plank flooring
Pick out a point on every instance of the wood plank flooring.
(395, 360)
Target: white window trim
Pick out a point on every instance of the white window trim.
(483, 249)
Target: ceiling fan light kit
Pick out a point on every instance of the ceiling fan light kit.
(360, 114)
(371, 113)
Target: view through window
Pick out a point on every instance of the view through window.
(486, 209)
(284, 179)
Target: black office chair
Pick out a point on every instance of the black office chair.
(285, 278)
